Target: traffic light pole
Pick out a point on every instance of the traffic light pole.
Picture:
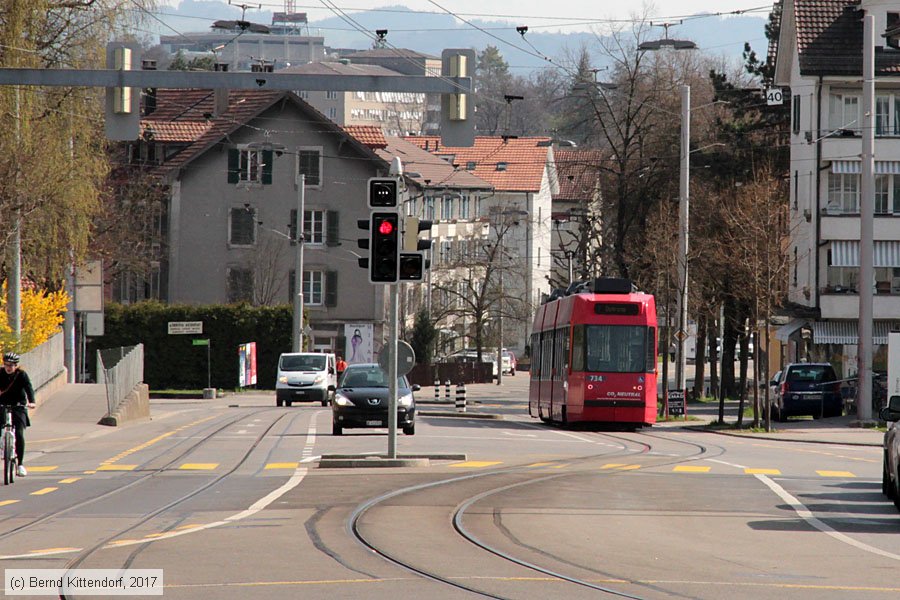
(394, 317)
(297, 338)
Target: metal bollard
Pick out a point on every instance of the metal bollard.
(461, 397)
(437, 390)
(447, 391)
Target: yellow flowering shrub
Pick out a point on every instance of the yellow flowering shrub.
(42, 315)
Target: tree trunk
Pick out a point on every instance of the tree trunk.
(700, 356)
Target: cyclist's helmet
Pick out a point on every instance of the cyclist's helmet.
(11, 358)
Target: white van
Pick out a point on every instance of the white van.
(305, 376)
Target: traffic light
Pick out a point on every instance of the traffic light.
(384, 248)
(413, 266)
(411, 228)
(363, 242)
(382, 192)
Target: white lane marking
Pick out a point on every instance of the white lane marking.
(727, 464)
(807, 515)
(295, 480)
(528, 435)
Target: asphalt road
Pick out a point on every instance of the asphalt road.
(225, 497)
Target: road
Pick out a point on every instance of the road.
(225, 496)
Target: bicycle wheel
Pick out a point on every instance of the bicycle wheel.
(9, 461)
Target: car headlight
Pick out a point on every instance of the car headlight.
(282, 379)
(405, 401)
(342, 400)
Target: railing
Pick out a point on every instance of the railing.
(120, 370)
(45, 362)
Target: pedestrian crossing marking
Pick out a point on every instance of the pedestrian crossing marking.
(475, 464)
(198, 466)
(835, 473)
(762, 471)
(114, 467)
(7, 502)
(43, 491)
(69, 480)
(284, 465)
(540, 465)
(691, 469)
(34, 469)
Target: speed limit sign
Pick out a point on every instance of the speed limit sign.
(774, 96)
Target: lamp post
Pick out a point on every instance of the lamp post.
(297, 337)
(501, 250)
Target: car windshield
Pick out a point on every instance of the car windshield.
(302, 363)
(369, 377)
(811, 374)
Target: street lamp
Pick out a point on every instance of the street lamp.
(515, 214)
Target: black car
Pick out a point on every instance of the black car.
(890, 479)
(361, 400)
(807, 389)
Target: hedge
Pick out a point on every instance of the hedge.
(173, 362)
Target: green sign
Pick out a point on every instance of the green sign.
(200, 342)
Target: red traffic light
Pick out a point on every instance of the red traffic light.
(386, 228)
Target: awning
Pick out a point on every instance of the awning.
(785, 331)
(845, 253)
(847, 332)
(854, 167)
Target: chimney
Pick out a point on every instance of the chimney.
(220, 103)
(149, 97)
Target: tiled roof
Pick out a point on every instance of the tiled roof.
(173, 131)
(578, 172)
(514, 165)
(368, 135)
(830, 39)
(338, 68)
(428, 170)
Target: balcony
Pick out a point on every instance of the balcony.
(837, 302)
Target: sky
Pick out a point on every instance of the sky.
(564, 15)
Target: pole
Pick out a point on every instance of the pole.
(683, 211)
(208, 365)
(866, 225)
(500, 332)
(392, 370)
(14, 292)
(69, 352)
(297, 338)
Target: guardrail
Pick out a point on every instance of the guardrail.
(120, 370)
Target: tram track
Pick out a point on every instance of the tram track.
(356, 525)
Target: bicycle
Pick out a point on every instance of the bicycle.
(8, 447)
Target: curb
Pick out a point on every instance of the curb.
(371, 461)
(467, 415)
(768, 436)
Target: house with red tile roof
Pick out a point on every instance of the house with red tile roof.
(232, 162)
(577, 231)
(819, 56)
(522, 173)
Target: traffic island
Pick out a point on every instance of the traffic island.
(353, 461)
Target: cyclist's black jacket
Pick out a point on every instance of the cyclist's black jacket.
(16, 391)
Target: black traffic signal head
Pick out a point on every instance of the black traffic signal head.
(384, 248)
(412, 266)
(382, 192)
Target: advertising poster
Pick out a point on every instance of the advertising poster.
(247, 364)
(360, 343)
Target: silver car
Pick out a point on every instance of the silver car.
(890, 478)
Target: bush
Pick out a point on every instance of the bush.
(42, 314)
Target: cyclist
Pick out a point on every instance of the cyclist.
(17, 394)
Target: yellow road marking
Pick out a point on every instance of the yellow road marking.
(149, 443)
(191, 526)
(540, 465)
(122, 542)
(691, 469)
(62, 439)
(621, 467)
(53, 550)
(116, 468)
(287, 465)
(199, 466)
(42, 469)
(7, 502)
(69, 480)
(560, 466)
(43, 491)
(475, 464)
(762, 471)
(835, 473)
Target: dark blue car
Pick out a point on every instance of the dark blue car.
(807, 389)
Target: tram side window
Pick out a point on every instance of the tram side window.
(535, 356)
(562, 353)
(546, 355)
(650, 364)
(578, 348)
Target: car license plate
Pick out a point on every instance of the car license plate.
(300, 393)
(814, 396)
(373, 423)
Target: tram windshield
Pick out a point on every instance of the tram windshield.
(617, 348)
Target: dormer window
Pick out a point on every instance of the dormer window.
(501, 166)
(892, 35)
(470, 165)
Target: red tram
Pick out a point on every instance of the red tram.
(593, 356)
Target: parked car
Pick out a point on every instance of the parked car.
(309, 376)
(807, 389)
(361, 400)
(890, 478)
(513, 363)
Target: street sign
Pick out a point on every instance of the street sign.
(676, 403)
(405, 362)
(183, 327)
(200, 342)
(681, 335)
(774, 97)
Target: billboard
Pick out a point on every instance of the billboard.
(247, 364)
(360, 343)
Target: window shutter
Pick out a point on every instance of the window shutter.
(331, 278)
(234, 165)
(292, 227)
(332, 235)
(268, 156)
